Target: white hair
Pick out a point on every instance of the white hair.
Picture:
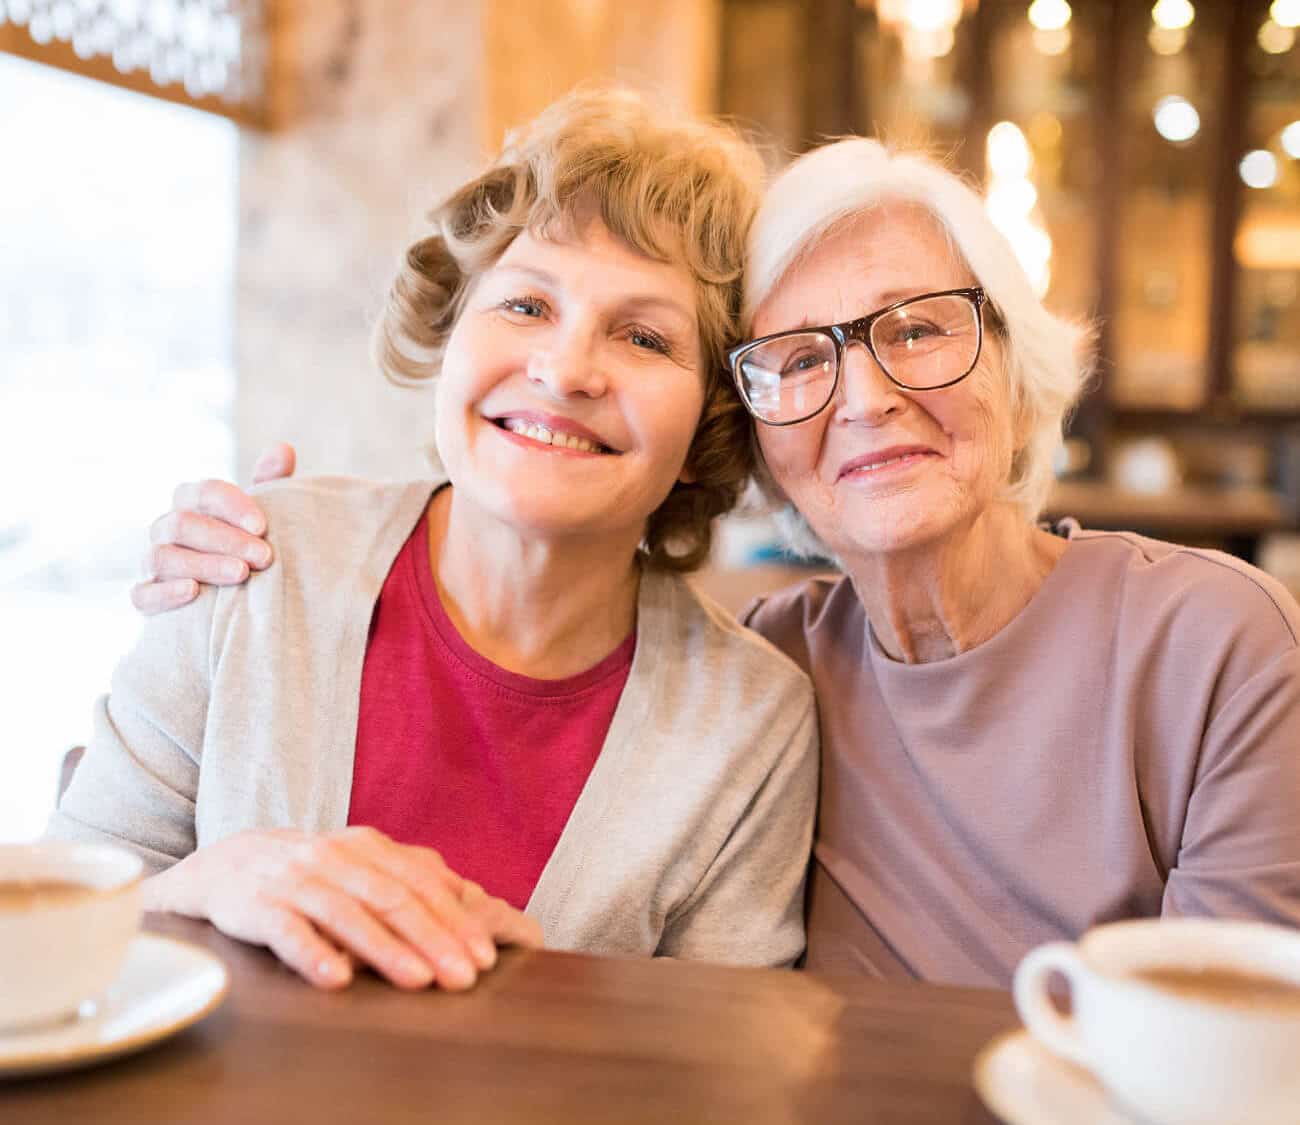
(1046, 364)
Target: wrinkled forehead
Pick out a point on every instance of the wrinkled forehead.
(861, 262)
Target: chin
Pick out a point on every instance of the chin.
(887, 525)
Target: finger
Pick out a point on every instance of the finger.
(436, 887)
(405, 913)
(506, 924)
(298, 945)
(278, 461)
(168, 563)
(151, 598)
(360, 933)
(210, 536)
(223, 500)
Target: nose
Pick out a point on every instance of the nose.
(866, 393)
(568, 366)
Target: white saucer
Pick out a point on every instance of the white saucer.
(1023, 1083)
(165, 985)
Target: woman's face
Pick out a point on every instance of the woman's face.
(570, 387)
(882, 469)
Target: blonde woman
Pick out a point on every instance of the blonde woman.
(450, 702)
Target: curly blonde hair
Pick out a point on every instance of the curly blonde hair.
(676, 190)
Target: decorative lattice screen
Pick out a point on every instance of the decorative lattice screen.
(210, 53)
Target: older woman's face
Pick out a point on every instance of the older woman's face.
(882, 469)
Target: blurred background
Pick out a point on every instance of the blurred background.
(201, 202)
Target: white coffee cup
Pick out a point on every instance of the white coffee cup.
(1173, 1057)
(58, 953)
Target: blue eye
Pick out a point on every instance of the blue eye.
(531, 307)
(650, 341)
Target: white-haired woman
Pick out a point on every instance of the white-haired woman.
(1025, 731)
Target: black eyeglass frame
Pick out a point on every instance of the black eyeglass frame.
(859, 331)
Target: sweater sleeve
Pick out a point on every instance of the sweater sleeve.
(138, 782)
(748, 907)
(1240, 850)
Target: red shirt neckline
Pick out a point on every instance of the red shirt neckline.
(615, 664)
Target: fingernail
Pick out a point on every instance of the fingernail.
(332, 970)
(415, 969)
(485, 952)
(454, 970)
(259, 556)
(252, 525)
(232, 570)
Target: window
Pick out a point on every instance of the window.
(117, 242)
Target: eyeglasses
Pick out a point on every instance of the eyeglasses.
(922, 343)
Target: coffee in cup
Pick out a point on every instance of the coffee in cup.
(1184, 1021)
(67, 914)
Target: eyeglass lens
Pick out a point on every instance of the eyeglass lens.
(922, 345)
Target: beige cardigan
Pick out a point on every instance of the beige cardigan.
(690, 839)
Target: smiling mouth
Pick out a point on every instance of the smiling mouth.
(544, 435)
(899, 460)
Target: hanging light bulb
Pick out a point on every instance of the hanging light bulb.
(1172, 14)
(1049, 15)
(1291, 140)
(1274, 39)
(1176, 119)
(926, 27)
(1258, 169)
(1008, 152)
(1285, 13)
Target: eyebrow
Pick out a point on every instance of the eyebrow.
(636, 301)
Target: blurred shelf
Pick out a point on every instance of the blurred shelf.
(1187, 511)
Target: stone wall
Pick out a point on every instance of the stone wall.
(382, 116)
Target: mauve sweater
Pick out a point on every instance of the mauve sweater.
(1127, 746)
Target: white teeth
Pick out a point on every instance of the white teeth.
(877, 465)
(547, 436)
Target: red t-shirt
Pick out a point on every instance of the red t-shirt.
(457, 754)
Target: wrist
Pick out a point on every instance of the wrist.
(173, 891)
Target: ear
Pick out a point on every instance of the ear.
(686, 476)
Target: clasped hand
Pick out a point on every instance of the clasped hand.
(324, 902)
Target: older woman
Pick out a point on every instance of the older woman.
(504, 664)
(1026, 731)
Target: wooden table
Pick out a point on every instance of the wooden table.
(546, 1037)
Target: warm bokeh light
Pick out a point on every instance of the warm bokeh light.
(1173, 14)
(1052, 42)
(1285, 13)
(1291, 140)
(1008, 152)
(1049, 15)
(1011, 200)
(1274, 39)
(1258, 169)
(1176, 119)
(1167, 40)
(920, 15)
(926, 27)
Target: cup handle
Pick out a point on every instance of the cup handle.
(1056, 1032)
